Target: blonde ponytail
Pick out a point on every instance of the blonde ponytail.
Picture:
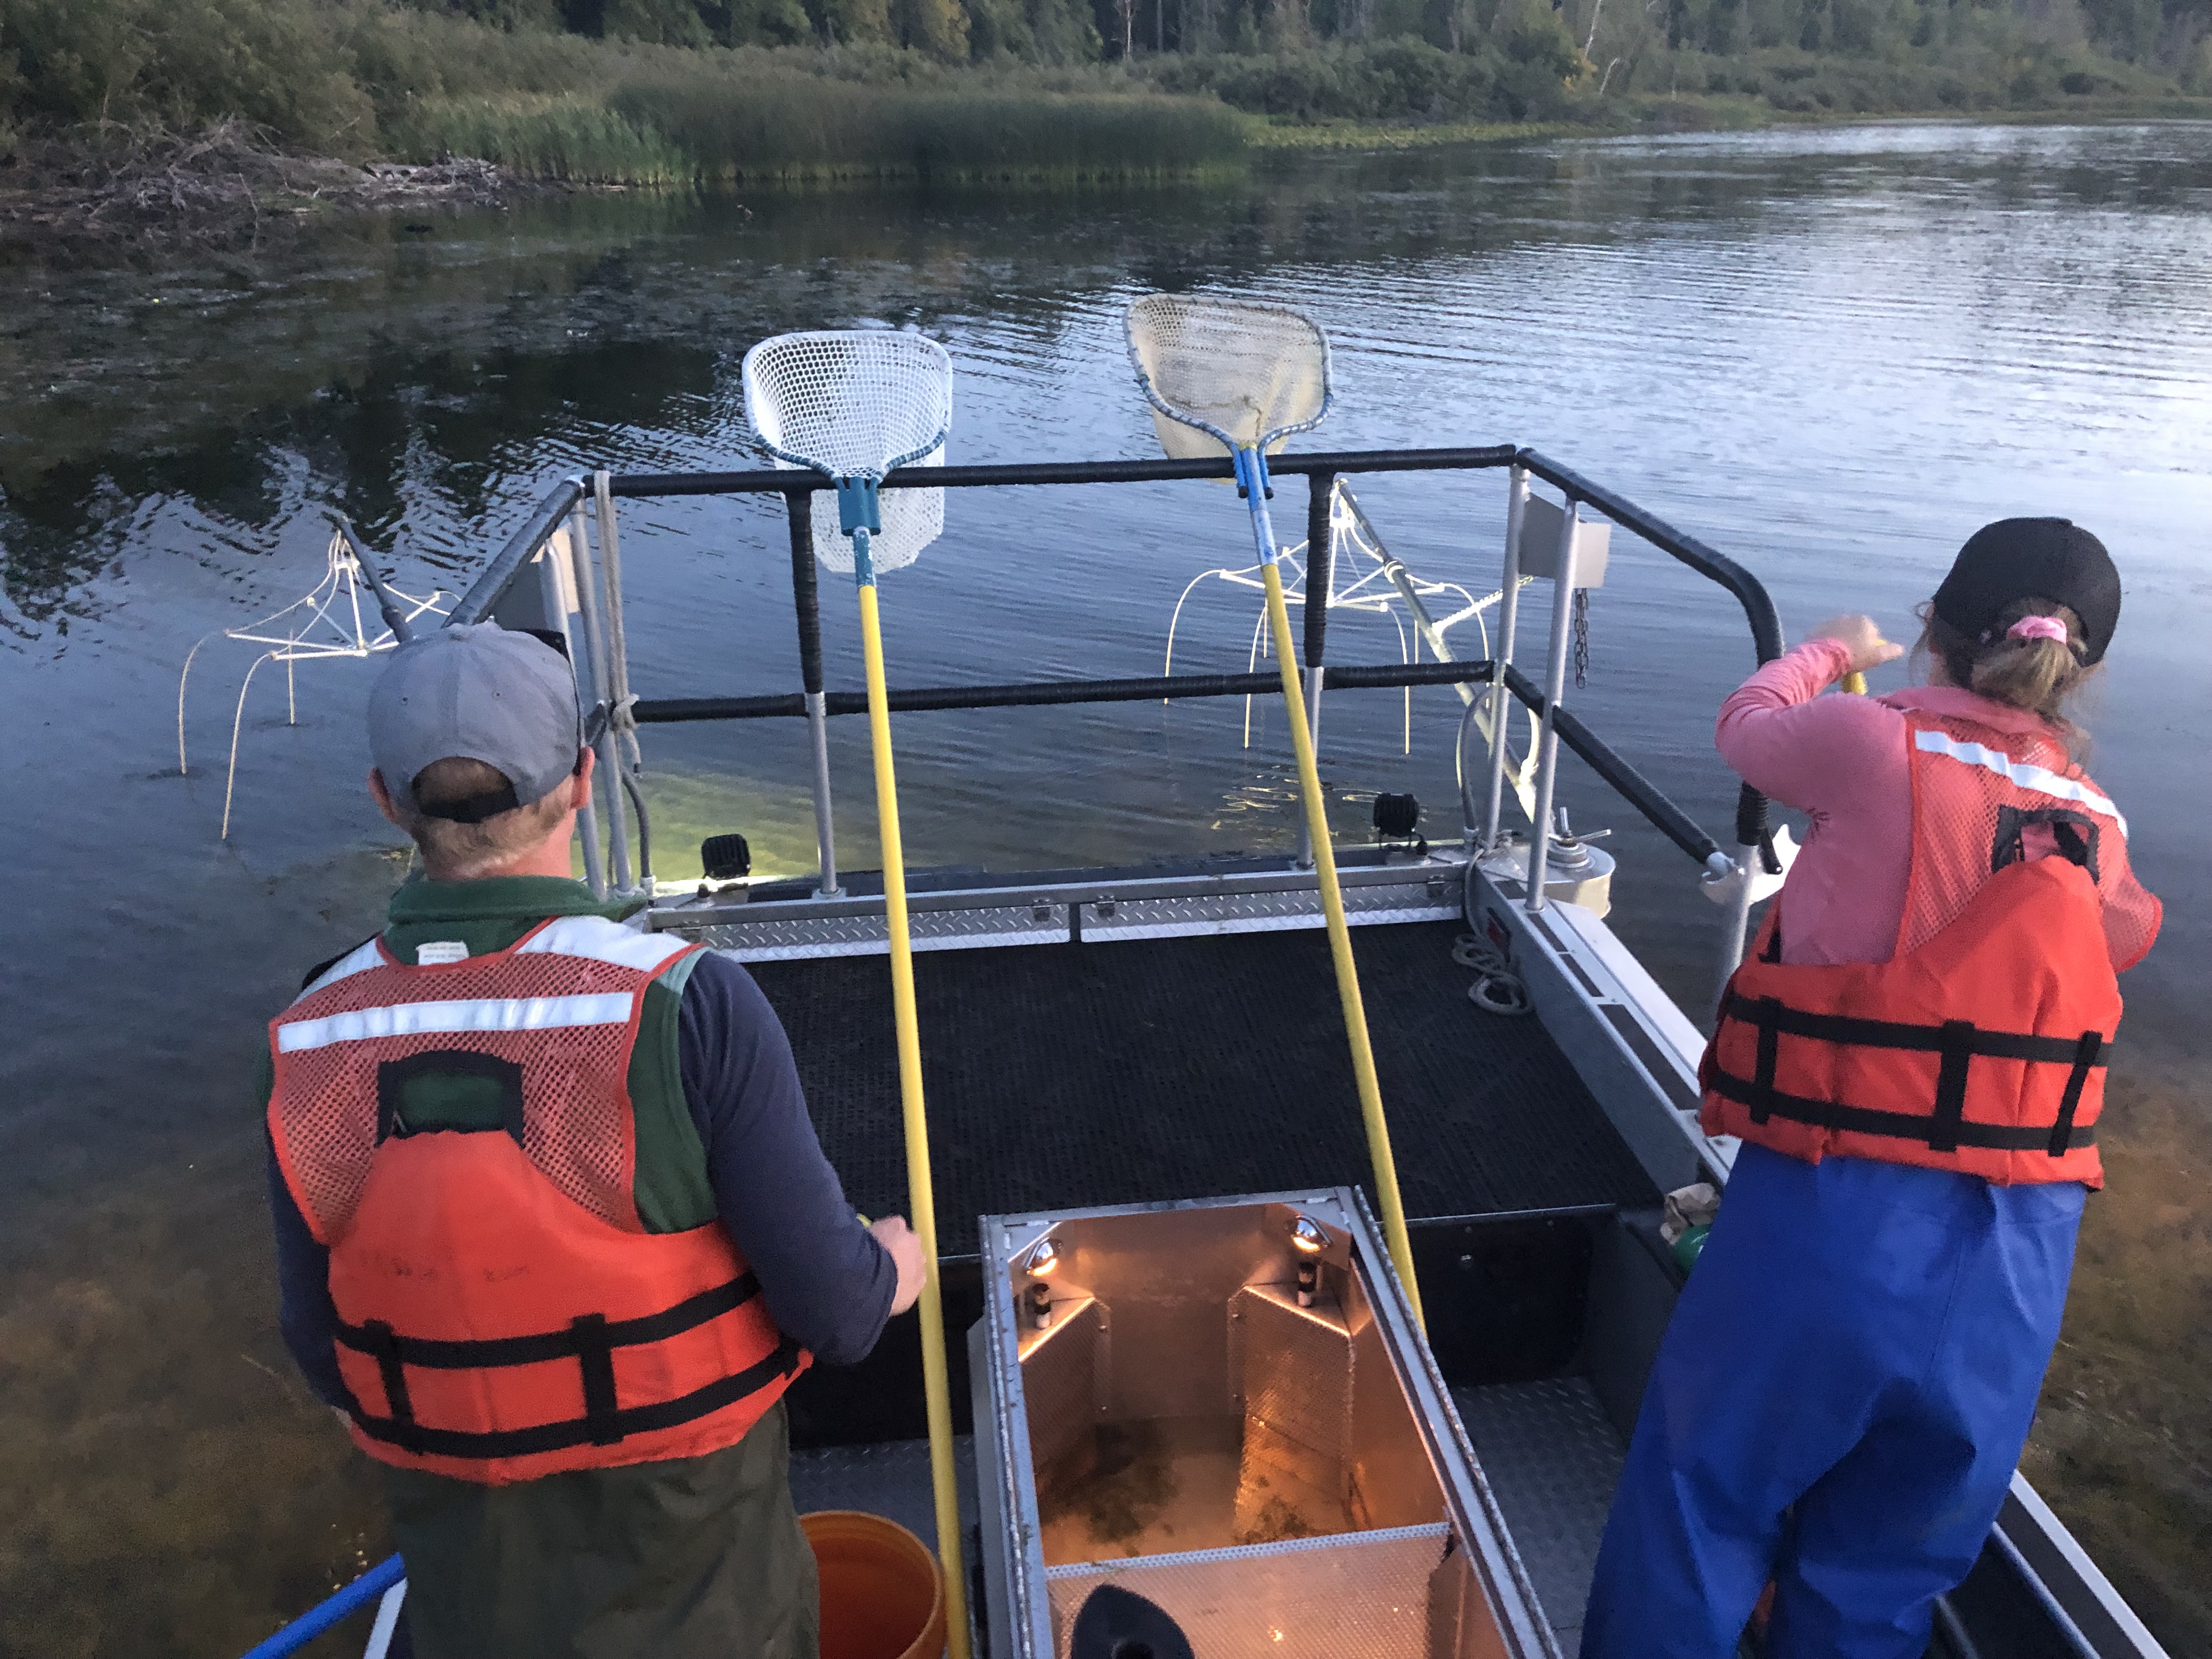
(2036, 674)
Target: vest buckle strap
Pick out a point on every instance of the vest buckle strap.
(1769, 1045)
(2086, 1057)
(596, 1355)
(1950, 1113)
(381, 1344)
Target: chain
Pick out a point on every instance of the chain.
(1582, 636)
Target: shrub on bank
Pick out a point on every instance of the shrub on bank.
(1516, 73)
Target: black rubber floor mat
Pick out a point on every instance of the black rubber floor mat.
(1120, 1072)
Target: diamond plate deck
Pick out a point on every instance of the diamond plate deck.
(1553, 1459)
(1258, 913)
(890, 1478)
(795, 939)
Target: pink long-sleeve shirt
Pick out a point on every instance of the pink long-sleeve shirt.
(1846, 762)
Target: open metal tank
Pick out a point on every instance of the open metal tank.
(1227, 1407)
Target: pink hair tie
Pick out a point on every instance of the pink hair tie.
(2037, 628)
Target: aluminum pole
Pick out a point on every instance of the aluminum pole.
(1735, 918)
(603, 657)
(1509, 616)
(1555, 685)
(580, 661)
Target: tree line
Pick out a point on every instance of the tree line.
(2162, 32)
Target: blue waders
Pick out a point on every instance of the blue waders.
(1865, 1341)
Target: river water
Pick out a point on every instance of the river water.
(1830, 353)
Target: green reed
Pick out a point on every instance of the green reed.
(718, 129)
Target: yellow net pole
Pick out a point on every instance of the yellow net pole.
(936, 1386)
(1339, 938)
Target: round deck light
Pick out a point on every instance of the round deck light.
(1042, 1261)
(1308, 1236)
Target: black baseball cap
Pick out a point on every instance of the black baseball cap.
(2043, 558)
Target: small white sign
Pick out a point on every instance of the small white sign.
(439, 952)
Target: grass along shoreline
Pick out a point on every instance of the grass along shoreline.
(85, 193)
(105, 102)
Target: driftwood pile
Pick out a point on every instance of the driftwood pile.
(227, 186)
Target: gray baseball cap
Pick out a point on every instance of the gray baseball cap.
(476, 692)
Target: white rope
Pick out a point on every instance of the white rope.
(1497, 988)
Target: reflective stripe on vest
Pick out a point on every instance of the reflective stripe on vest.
(2025, 773)
(478, 1014)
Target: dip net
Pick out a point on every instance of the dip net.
(1223, 374)
(855, 405)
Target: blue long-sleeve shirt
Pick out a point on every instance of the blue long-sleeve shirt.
(825, 1279)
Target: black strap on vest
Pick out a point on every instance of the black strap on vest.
(1946, 1127)
(1957, 1047)
(1770, 1047)
(382, 1345)
(2085, 1057)
(590, 1340)
(580, 1431)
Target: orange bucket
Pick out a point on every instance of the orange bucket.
(883, 1592)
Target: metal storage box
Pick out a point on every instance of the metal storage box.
(1227, 1408)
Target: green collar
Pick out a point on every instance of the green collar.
(496, 898)
(487, 915)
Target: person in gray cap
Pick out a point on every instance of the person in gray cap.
(554, 1231)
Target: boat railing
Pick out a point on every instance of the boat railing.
(583, 504)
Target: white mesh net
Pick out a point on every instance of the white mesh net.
(1224, 372)
(855, 404)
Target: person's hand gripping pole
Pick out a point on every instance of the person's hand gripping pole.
(1252, 480)
(1862, 637)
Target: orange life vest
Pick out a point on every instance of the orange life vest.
(502, 1313)
(1981, 1045)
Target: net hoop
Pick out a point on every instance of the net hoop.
(856, 403)
(1242, 373)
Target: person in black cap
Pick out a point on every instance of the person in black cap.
(554, 1231)
(1912, 1056)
